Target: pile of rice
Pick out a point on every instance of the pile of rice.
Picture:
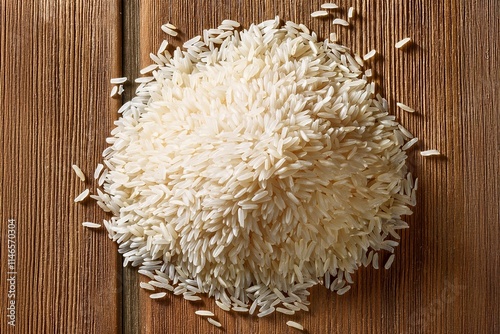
(252, 165)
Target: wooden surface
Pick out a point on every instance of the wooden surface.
(56, 58)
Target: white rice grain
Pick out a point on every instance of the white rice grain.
(204, 313)
(158, 295)
(214, 322)
(79, 172)
(91, 225)
(329, 6)
(167, 28)
(295, 325)
(404, 107)
(98, 171)
(389, 262)
(369, 55)
(116, 81)
(341, 22)
(350, 12)
(319, 13)
(409, 144)
(402, 42)
(429, 153)
(83, 195)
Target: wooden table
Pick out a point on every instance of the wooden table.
(56, 59)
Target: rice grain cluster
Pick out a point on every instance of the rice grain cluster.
(252, 165)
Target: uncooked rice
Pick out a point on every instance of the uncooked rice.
(98, 171)
(369, 55)
(350, 12)
(341, 22)
(227, 173)
(114, 91)
(169, 29)
(295, 325)
(204, 313)
(319, 13)
(429, 153)
(120, 80)
(404, 107)
(83, 195)
(389, 262)
(402, 42)
(91, 225)
(79, 172)
(329, 6)
(158, 295)
(214, 322)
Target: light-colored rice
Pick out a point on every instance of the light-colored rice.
(167, 28)
(402, 42)
(350, 12)
(91, 225)
(79, 172)
(429, 153)
(114, 91)
(116, 81)
(98, 171)
(329, 6)
(214, 322)
(409, 144)
(204, 313)
(295, 325)
(404, 107)
(389, 262)
(216, 178)
(158, 295)
(369, 55)
(341, 22)
(319, 13)
(83, 195)
(146, 286)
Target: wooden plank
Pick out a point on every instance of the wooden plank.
(56, 60)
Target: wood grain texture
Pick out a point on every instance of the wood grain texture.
(56, 60)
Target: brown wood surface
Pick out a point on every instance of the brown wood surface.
(56, 58)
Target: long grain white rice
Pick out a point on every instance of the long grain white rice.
(204, 313)
(207, 178)
(329, 6)
(214, 322)
(319, 13)
(146, 286)
(158, 295)
(83, 195)
(350, 12)
(429, 153)
(98, 171)
(295, 325)
(343, 290)
(341, 22)
(114, 91)
(369, 55)
(116, 81)
(169, 30)
(91, 225)
(409, 144)
(402, 42)
(389, 262)
(79, 172)
(404, 107)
